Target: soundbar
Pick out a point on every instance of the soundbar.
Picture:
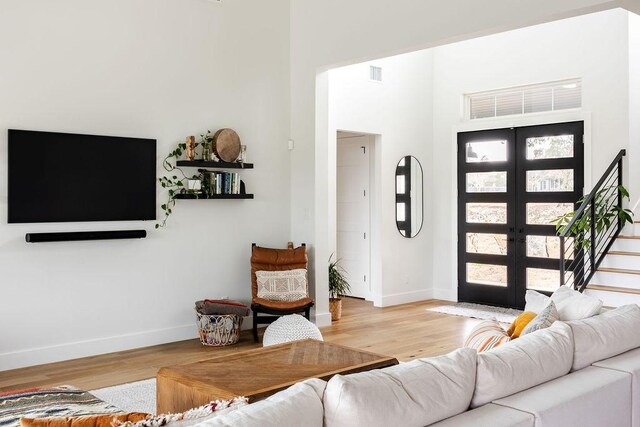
(84, 235)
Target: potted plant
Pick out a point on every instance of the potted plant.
(338, 286)
(606, 211)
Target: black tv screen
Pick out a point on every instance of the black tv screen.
(61, 177)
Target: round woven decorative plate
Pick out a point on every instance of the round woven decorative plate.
(226, 145)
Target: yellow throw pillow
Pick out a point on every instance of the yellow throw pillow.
(520, 323)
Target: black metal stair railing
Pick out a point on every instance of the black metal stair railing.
(587, 238)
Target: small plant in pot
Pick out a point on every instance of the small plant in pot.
(338, 286)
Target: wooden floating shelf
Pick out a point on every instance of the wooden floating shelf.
(212, 164)
(188, 196)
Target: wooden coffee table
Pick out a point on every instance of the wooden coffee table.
(259, 373)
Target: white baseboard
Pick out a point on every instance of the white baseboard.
(445, 294)
(75, 350)
(405, 297)
(322, 319)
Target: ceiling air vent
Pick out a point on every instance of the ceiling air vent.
(375, 73)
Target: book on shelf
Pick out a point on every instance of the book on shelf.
(224, 182)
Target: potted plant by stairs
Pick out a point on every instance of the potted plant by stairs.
(338, 286)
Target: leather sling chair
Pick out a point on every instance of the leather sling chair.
(268, 259)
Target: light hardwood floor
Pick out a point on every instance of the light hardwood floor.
(405, 332)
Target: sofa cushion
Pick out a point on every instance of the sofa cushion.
(606, 335)
(489, 415)
(300, 404)
(523, 363)
(417, 393)
(628, 362)
(593, 397)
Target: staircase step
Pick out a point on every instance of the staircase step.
(618, 270)
(624, 253)
(606, 288)
(613, 298)
(626, 244)
(621, 260)
(621, 277)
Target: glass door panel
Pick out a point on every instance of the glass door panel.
(549, 181)
(486, 217)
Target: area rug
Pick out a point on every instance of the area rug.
(479, 311)
(139, 396)
(58, 401)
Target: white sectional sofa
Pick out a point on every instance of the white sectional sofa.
(582, 373)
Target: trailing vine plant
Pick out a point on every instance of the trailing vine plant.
(176, 184)
(605, 214)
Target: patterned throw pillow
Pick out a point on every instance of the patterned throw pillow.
(60, 401)
(486, 335)
(104, 420)
(288, 285)
(521, 322)
(191, 417)
(543, 320)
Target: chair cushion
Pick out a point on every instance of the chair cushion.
(593, 397)
(628, 362)
(417, 393)
(489, 415)
(285, 306)
(299, 405)
(286, 285)
(606, 335)
(523, 363)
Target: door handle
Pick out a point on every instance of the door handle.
(511, 239)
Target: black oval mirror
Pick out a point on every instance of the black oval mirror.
(409, 197)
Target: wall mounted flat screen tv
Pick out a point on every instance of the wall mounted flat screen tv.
(61, 177)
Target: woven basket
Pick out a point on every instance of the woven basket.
(219, 330)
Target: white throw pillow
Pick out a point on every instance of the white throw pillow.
(573, 305)
(299, 405)
(530, 360)
(417, 393)
(606, 335)
(286, 285)
(535, 301)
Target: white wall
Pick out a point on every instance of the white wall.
(549, 52)
(634, 108)
(333, 33)
(399, 111)
(420, 108)
(143, 68)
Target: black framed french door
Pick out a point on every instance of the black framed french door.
(512, 183)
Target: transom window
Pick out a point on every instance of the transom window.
(553, 96)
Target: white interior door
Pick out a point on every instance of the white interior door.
(353, 210)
